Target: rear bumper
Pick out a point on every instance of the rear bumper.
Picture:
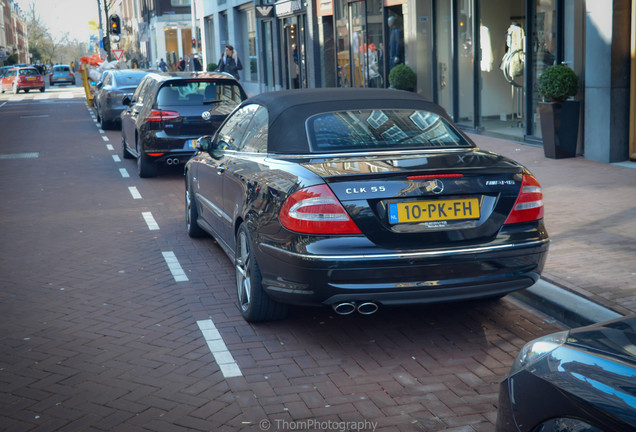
(401, 278)
(30, 85)
(169, 147)
(61, 81)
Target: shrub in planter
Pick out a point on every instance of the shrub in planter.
(559, 117)
(402, 77)
(211, 67)
(557, 83)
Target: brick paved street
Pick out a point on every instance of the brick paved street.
(98, 335)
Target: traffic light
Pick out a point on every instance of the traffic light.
(194, 43)
(115, 25)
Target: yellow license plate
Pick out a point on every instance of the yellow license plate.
(432, 211)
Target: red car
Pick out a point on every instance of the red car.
(21, 78)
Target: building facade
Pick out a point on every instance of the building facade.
(14, 44)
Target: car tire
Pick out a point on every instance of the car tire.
(192, 214)
(41, 89)
(124, 150)
(26, 90)
(106, 125)
(145, 167)
(253, 302)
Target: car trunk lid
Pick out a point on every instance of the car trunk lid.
(402, 200)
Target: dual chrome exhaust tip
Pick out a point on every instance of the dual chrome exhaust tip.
(346, 308)
(173, 161)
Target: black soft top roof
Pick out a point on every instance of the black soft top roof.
(289, 109)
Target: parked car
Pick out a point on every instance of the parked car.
(169, 111)
(4, 69)
(581, 380)
(21, 78)
(61, 74)
(356, 198)
(107, 100)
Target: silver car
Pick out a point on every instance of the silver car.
(115, 84)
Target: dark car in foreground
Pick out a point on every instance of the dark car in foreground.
(169, 111)
(356, 198)
(61, 74)
(107, 100)
(582, 380)
(21, 78)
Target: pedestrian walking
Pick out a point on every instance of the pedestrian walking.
(197, 63)
(230, 62)
(182, 64)
(163, 67)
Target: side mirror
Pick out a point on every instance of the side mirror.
(204, 143)
(99, 84)
(125, 100)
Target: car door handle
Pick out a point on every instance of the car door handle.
(220, 169)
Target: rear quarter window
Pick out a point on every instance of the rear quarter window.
(381, 129)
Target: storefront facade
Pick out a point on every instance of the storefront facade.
(479, 59)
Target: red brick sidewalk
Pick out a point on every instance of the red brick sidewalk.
(590, 213)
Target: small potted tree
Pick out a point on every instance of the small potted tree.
(559, 116)
(402, 77)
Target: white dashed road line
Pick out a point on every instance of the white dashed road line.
(105, 138)
(150, 221)
(110, 147)
(116, 158)
(29, 155)
(134, 192)
(124, 172)
(222, 356)
(175, 268)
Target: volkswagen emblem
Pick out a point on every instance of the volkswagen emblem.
(436, 186)
(206, 115)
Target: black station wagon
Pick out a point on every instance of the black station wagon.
(356, 198)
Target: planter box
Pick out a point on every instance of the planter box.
(560, 128)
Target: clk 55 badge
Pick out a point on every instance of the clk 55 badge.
(372, 189)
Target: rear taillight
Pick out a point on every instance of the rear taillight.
(316, 210)
(158, 115)
(529, 204)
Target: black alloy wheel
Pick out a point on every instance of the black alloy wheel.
(253, 302)
(192, 214)
(145, 166)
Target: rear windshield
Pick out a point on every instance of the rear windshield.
(385, 129)
(184, 93)
(25, 72)
(61, 69)
(130, 80)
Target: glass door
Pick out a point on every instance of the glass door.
(294, 52)
(444, 48)
(268, 60)
(343, 44)
(465, 61)
(358, 44)
(544, 52)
